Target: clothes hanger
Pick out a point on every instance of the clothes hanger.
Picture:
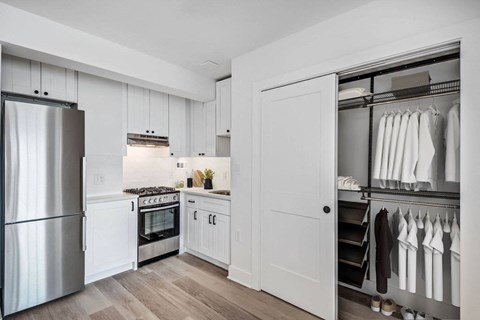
(420, 224)
(446, 225)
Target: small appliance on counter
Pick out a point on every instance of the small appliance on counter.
(158, 223)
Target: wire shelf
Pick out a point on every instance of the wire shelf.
(422, 92)
(423, 194)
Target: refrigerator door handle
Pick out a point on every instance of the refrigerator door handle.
(84, 233)
(84, 184)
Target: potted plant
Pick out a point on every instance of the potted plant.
(208, 173)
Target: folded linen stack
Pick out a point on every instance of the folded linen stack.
(347, 183)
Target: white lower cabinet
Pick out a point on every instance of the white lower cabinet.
(208, 232)
(111, 239)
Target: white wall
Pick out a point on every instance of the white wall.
(30, 36)
(375, 31)
(153, 167)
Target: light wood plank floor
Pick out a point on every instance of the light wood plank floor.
(181, 288)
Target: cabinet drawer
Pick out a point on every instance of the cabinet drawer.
(214, 205)
(191, 201)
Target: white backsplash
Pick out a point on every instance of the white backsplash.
(153, 167)
(104, 175)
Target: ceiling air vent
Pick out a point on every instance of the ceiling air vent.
(209, 64)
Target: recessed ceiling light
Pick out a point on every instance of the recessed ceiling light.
(209, 64)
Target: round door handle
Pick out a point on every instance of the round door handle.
(228, 131)
(36, 91)
(326, 209)
(45, 93)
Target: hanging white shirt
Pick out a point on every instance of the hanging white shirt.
(387, 139)
(378, 152)
(402, 251)
(393, 149)
(452, 145)
(437, 245)
(428, 256)
(426, 151)
(455, 262)
(410, 154)
(412, 254)
(398, 161)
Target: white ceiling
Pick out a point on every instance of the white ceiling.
(188, 32)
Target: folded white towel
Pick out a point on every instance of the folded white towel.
(353, 93)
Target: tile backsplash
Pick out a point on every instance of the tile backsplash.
(153, 167)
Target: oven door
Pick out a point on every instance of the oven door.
(159, 223)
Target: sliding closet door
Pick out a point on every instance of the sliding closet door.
(298, 182)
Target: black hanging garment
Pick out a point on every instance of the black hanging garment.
(384, 245)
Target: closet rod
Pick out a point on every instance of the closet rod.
(418, 203)
(413, 98)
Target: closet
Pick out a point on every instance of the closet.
(372, 100)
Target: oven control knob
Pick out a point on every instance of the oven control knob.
(175, 197)
(145, 201)
(160, 199)
(155, 200)
(150, 201)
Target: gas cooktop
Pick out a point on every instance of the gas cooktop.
(150, 191)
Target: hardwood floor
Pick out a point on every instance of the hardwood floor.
(181, 288)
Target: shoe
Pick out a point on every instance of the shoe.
(375, 303)
(389, 307)
(423, 316)
(407, 314)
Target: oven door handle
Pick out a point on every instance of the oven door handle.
(159, 208)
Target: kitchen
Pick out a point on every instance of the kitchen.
(153, 118)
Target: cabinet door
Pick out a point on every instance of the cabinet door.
(102, 98)
(58, 83)
(20, 75)
(221, 238)
(159, 113)
(193, 229)
(198, 130)
(224, 106)
(178, 128)
(111, 236)
(210, 136)
(138, 110)
(206, 236)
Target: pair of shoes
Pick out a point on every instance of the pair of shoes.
(387, 307)
(409, 314)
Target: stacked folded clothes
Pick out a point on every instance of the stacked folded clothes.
(347, 183)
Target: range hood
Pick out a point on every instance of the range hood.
(134, 139)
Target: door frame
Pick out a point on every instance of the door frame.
(285, 79)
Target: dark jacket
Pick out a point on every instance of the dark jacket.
(384, 245)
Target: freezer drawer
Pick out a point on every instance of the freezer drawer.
(44, 167)
(44, 260)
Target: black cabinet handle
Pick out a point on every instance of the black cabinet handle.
(191, 201)
(148, 131)
(36, 91)
(209, 219)
(214, 223)
(228, 131)
(195, 215)
(153, 131)
(199, 154)
(45, 93)
(171, 154)
(133, 206)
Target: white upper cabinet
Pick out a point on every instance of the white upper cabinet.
(58, 83)
(159, 113)
(178, 129)
(203, 129)
(147, 112)
(224, 107)
(102, 100)
(138, 110)
(37, 79)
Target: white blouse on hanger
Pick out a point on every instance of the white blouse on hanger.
(426, 151)
(427, 253)
(455, 261)
(402, 251)
(387, 139)
(410, 154)
(398, 162)
(379, 149)
(437, 245)
(452, 144)
(393, 149)
(412, 254)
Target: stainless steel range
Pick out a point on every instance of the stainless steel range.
(158, 222)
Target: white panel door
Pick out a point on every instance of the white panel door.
(193, 229)
(221, 238)
(59, 83)
(298, 174)
(138, 110)
(178, 127)
(198, 129)
(20, 75)
(224, 106)
(206, 233)
(210, 134)
(159, 113)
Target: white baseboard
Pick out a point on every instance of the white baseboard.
(240, 276)
(110, 272)
(207, 258)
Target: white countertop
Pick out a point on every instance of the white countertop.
(111, 197)
(204, 193)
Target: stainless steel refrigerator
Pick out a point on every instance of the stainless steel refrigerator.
(43, 203)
